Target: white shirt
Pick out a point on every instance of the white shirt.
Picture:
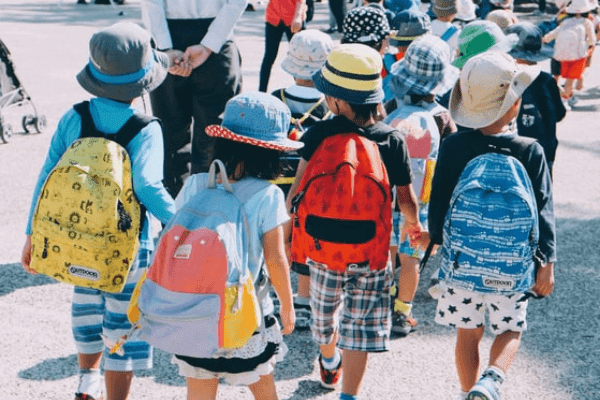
(438, 28)
(226, 13)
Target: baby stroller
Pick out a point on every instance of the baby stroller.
(12, 94)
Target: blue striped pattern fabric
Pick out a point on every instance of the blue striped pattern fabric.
(491, 228)
(94, 312)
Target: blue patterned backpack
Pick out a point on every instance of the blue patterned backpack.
(491, 229)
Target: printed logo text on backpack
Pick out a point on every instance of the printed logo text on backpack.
(342, 207)
(198, 297)
(85, 230)
(491, 229)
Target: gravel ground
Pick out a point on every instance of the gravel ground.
(558, 359)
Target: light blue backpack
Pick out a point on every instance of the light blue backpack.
(491, 229)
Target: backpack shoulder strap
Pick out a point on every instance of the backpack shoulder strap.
(452, 29)
(132, 127)
(88, 128)
(128, 131)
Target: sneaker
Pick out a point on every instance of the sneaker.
(303, 316)
(330, 377)
(485, 389)
(572, 101)
(84, 396)
(402, 324)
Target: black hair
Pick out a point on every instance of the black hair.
(255, 161)
(372, 44)
(364, 112)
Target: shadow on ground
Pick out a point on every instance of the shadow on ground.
(68, 13)
(14, 277)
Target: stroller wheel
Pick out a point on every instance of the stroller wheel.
(40, 123)
(6, 132)
(27, 122)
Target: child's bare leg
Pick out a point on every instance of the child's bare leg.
(328, 350)
(409, 278)
(118, 384)
(303, 286)
(568, 88)
(354, 365)
(504, 349)
(264, 389)
(89, 361)
(467, 356)
(202, 389)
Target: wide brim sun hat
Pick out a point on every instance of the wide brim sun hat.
(308, 51)
(352, 73)
(408, 25)
(489, 85)
(530, 46)
(580, 6)
(122, 64)
(258, 119)
(479, 36)
(465, 11)
(425, 69)
(365, 25)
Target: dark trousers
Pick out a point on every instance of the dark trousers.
(337, 10)
(186, 106)
(273, 35)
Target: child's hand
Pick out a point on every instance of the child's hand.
(296, 25)
(544, 283)
(26, 257)
(176, 64)
(288, 319)
(414, 232)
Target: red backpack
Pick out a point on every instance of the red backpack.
(342, 207)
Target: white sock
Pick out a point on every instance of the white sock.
(333, 362)
(90, 382)
(495, 373)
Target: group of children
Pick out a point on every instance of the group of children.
(490, 83)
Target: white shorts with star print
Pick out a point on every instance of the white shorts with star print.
(465, 309)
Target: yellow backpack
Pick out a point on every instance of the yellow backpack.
(85, 230)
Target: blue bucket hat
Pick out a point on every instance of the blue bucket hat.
(530, 46)
(408, 25)
(256, 118)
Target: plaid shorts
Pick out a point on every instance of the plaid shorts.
(465, 309)
(355, 303)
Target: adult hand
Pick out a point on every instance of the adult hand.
(176, 64)
(544, 283)
(26, 257)
(196, 55)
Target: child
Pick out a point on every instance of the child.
(574, 37)
(466, 12)
(366, 25)
(502, 18)
(424, 72)
(487, 99)
(251, 139)
(406, 26)
(442, 27)
(351, 83)
(541, 105)
(282, 16)
(122, 67)
(307, 53)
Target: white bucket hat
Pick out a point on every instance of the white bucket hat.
(489, 85)
(307, 53)
(580, 6)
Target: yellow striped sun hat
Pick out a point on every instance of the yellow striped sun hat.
(352, 73)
